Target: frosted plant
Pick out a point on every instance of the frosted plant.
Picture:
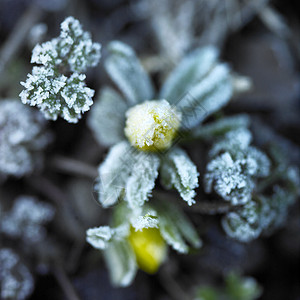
(235, 167)
(144, 128)
(26, 220)
(139, 239)
(152, 126)
(22, 138)
(57, 87)
(16, 281)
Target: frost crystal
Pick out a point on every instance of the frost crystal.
(50, 90)
(16, 281)
(22, 137)
(26, 219)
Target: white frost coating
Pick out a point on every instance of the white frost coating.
(22, 137)
(113, 174)
(107, 117)
(100, 237)
(26, 220)
(189, 72)
(243, 225)
(206, 97)
(126, 71)
(142, 180)
(227, 178)
(16, 281)
(179, 171)
(149, 220)
(52, 92)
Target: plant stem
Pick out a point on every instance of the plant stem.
(73, 167)
(18, 35)
(64, 282)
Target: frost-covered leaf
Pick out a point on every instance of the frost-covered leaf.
(56, 87)
(107, 117)
(113, 174)
(206, 97)
(76, 46)
(236, 142)
(126, 71)
(175, 227)
(121, 262)
(100, 237)
(177, 170)
(243, 225)
(172, 235)
(16, 282)
(26, 219)
(21, 139)
(142, 179)
(220, 127)
(227, 178)
(188, 73)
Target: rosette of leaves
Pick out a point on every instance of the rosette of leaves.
(57, 87)
(268, 208)
(16, 281)
(235, 167)
(138, 239)
(22, 138)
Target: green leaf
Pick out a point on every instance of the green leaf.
(107, 117)
(126, 71)
(175, 227)
(188, 73)
(220, 127)
(206, 97)
(179, 171)
(121, 262)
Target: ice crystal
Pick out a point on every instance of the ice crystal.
(16, 281)
(48, 88)
(26, 219)
(22, 137)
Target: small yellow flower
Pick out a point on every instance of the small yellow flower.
(152, 125)
(149, 247)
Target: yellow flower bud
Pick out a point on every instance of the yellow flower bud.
(152, 125)
(149, 247)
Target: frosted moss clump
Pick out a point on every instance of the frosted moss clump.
(16, 281)
(152, 125)
(22, 138)
(235, 167)
(57, 87)
(26, 220)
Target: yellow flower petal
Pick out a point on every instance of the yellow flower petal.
(149, 247)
